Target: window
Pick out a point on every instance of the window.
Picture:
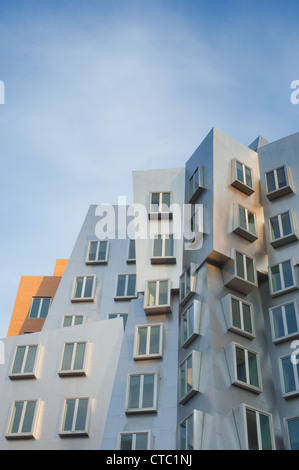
(124, 316)
(189, 376)
(75, 419)
(241, 317)
(39, 307)
(157, 297)
(135, 440)
(73, 360)
(163, 249)
(148, 341)
(278, 182)
(22, 420)
(141, 393)
(245, 223)
(245, 267)
(259, 430)
(282, 229)
(97, 252)
(190, 323)
(187, 434)
(187, 284)
(72, 320)
(24, 363)
(131, 252)
(242, 177)
(84, 288)
(282, 278)
(247, 372)
(293, 433)
(191, 430)
(290, 376)
(239, 272)
(159, 202)
(195, 184)
(284, 321)
(126, 286)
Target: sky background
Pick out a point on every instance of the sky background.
(95, 89)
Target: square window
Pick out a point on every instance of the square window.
(40, 307)
(160, 205)
(98, 252)
(278, 182)
(240, 272)
(239, 316)
(84, 288)
(75, 419)
(157, 297)
(284, 321)
(23, 420)
(282, 278)
(148, 341)
(141, 393)
(125, 287)
(140, 440)
(74, 359)
(163, 249)
(24, 363)
(242, 177)
(245, 223)
(282, 229)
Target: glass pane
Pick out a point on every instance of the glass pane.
(81, 415)
(190, 433)
(252, 430)
(121, 283)
(281, 177)
(29, 366)
(189, 373)
(275, 278)
(247, 317)
(88, 287)
(141, 340)
(288, 375)
(236, 313)
(185, 327)
(151, 294)
(241, 369)
(163, 293)
(134, 391)
(132, 254)
(154, 340)
(16, 417)
(44, 308)
(102, 251)
(79, 357)
(131, 285)
(78, 287)
(126, 442)
(278, 322)
(182, 287)
(265, 432)
(193, 182)
(67, 356)
(92, 251)
(240, 172)
(28, 417)
(182, 378)
(68, 415)
(155, 202)
(286, 224)
(18, 362)
(240, 265)
(270, 181)
(291, 318)
(251, 224)
(242, 217)
(188, 281)
(274, 228)
(250, 269)
(293, 427)
(148, 391)
(253, 373)
(78, 320)
(287, 274)
(34, 308)
(158, 246)
(183, 436)
(141, 441)
(169, 245)
(67, 321)
(248, 177)
(165, 201)
(190, 317)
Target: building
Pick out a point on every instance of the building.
(184, 338)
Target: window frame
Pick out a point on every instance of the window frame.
(159, 213)
(193, 329)
(113, 315)
(295, 372)
(258, 426)
(287, 336)
(141, 409)
(244, 231)
(287, 420)
(148, 355)
(195, 189)
(231, 325)
(41, 299)
(19, 434)
(74, 372)
(73, 433)
(134, 434)
(125, 296)
(73, 319)
(242, 185)
(131, 260)
(246, 384)
(161, 259)
(196, 364)
(157, 308)
(277, 192)
(25, 375)
(98, 261)
(283, 239)
(82, 298)
(283, 289)
(190, 272)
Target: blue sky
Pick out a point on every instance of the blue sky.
(95, 89)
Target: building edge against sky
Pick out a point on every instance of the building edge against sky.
(154, 344)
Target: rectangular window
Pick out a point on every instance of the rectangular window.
(284, 321)
(245, 223)
(72, 320)
(84, 288)
(187, 434)
(97, 252)
(135, 440)
(157, 297)
(290, 375)
(242, 177)
(75, 418)
(163, 249)
(293, 433)
(190, 323)
(247, 369)
(126, 286)
(244, 276)
(245, 267)
(148, 341)
(124, 316)
(141, 393)
(40, 307)
(160, 202)
(189, 376)
(241, 317)
(282, 278)
(73, 360)
(22, 420)
(24, 363)
(278, 182)
(259, 430)
(131, 252)
(187, 281)
(282, 229)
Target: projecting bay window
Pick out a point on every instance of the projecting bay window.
(157, 297)
(98, 252)
(244, 367)
(242, 177)
(187, 284)
(195, 184)
(141, 393)
(245, 223)
(191, 323)
(163, 249)
(240, 272)
(24, 363)
(74, 359)
(282, 229)
(278, 182)
(125, 287)
(75, 418)
(192, 430)
(40, 307)
(189, 376)
(238, 315)
(282, 278)
(148, 341)
(284, 321)
(23, 420)
(84, 289)
(290, 375)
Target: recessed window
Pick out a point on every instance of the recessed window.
(131, 251)
(242, 177)
(22, 420)
(40, 307)
(124, 316)
(73, 360)
(259, 430)
(187, 284)
(75, 419)
(72, 320)
(189, 376)
(282, 229)
(293, 433)
(24, 363)
(141, 393)
(284, 321)
(157, 297)
(84, 288)
(126, 286)
(247, 368)
(148, 341)
(135, 440)
(245, 223)
(159, 202)
(163, 249)
(190, 323)
(278, 182)
(290, 376)
(282, 278)
(97, 252)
